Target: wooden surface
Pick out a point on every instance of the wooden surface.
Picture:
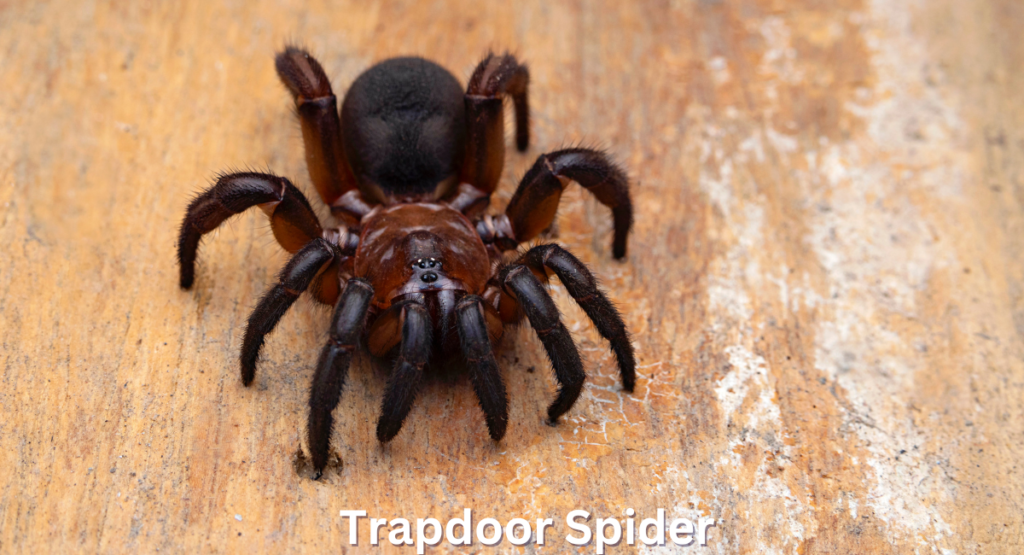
(824, 282)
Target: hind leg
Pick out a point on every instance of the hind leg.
(494, 78)
(321, 132)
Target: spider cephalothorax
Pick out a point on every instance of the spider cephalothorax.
(413, 267)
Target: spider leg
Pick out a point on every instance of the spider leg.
(582, 286)
(483, 369)
(405, 378)
(321, 125)
(518, 281)
(294, 279)
(332, 368)
(494, 77)
(292, 219)
(533, 206)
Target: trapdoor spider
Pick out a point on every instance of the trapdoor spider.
(414, 268)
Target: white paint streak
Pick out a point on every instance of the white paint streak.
(747, 370)
(878, 255)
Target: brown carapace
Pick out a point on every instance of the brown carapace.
(415, 270)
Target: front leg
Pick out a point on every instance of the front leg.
(332, 368)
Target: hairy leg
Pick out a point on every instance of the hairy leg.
(292, 219)
(583, 288)
(534, 204)
(321, 125)
(405, 377)
(494, 78)
(332, 368)
(518, 281)
(483, 369)
(294, 279)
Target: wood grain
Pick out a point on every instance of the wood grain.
(825, 283)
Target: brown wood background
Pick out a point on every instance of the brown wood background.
(825, 283)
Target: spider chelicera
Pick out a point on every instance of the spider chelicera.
(414, 268)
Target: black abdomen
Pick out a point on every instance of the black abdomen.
(403, 122)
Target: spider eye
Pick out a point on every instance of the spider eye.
(424, 263)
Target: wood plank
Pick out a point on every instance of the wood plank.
(824, 282)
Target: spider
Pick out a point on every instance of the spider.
(415, 270)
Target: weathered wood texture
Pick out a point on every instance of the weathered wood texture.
(824, 283)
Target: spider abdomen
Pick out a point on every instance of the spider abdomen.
(404, 130)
